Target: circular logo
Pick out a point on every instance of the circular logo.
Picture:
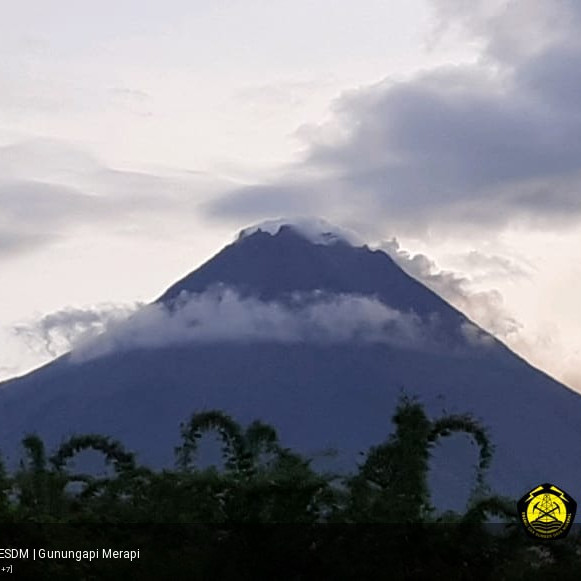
(547, 512)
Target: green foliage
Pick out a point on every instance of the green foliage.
(391, 486)
(5, 487)
(261, 482)
(464, 423)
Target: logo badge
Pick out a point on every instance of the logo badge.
(547, 512)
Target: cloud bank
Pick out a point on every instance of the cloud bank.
(222, 315)
(485, 145)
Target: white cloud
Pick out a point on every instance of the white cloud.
(316, 230)
(485, 307)
(55, 333)
(223, 315)
(545, 337)
(475, 336)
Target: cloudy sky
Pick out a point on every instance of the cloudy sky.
(136, 138)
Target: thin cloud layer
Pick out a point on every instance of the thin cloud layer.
(56, 333)
(49, 189)
(221, 315)
(15, 242)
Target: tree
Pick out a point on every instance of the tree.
(391, 486)
(258, 481)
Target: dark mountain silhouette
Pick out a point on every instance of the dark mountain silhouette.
(321, 395)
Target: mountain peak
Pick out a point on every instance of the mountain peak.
(315, 230)
(279, 259)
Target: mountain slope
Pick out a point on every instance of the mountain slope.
(320, 394)
(268, 266)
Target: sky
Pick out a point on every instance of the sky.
(137, 139)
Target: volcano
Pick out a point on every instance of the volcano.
(317, 335)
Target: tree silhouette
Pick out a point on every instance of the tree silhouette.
(357, 526)
(391, 486)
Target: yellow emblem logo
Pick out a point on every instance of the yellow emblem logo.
(547, 512)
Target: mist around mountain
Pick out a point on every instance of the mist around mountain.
(304, 329)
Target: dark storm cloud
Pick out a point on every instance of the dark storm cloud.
(484, 144)
(554, 77)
